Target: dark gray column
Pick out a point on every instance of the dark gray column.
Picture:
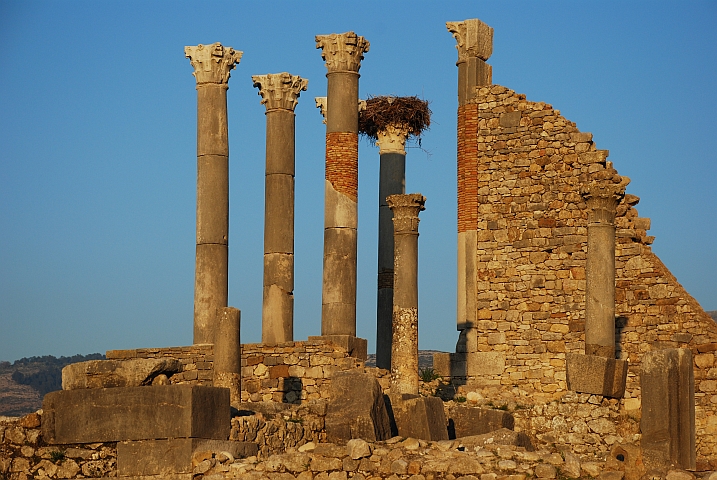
(404, 352)
(280, 93)
(227, 353)
(392, 180)
(212, 64)
(343, 54)
(602, 199)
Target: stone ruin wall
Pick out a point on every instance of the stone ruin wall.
(519, 179)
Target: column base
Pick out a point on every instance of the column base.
(596, 375)
(355, 346)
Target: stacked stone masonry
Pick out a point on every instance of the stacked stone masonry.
(529, 163)
(342, 162)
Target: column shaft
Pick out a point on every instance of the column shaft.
(404, 350)
(212, 64)
(343, 54)
(392, 180)
(279, 94)
(227, 353)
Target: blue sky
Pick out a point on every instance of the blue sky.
(98, 156)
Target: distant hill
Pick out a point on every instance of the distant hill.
(713, 314)
(24, 382)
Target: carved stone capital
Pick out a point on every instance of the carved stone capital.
(392, 139)
(475, 39)
(321, 104)
(405, 208)
(342, 52)
(212, 63)
(602, 198)
(279, 90)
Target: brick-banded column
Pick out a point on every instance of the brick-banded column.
(602, 199)
(475, 45)
(279, 94)
(404, 352)
(392, 180)
(343, 54)
(212, 64)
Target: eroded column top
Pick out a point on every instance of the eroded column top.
(475, 39)
(392, 139)
(602, 193)
(405, 209)
(212, 63)
(342, 52)
(280, 90)
(322, 104)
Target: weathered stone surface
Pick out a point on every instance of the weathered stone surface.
(668, 408)
(597, 375)
(358, 448)
(356, 408)
(418, 417)
(117, 373)
(136, 413)
(465, 421)
(498, 437)
(162, 457)
(355, 346)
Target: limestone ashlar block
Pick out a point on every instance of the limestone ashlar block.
(172, 456)
(418, 417)
(117, 373)
(596, 375)
(668, 408)
(136, 413)
(471, 364)
(465, 421)
(355, 346)
(356, 408)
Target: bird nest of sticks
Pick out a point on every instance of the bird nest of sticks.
(411, 113)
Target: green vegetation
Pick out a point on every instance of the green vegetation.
(428, 374)
(57, 455)
(43, 374)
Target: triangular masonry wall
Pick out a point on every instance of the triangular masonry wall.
(520, 168)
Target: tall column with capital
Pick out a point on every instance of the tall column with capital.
(602, 198)
(343, 54)
(279, 93)
(404, 352)
(597, 371)
(475, 45)
(212, 64)
(392, 180)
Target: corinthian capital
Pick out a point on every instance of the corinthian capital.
(212, 63)
(602, 197)
(475, 39)
(279, 90)
(405, 208)
(392, 139)
(321, 103)
(342, 52)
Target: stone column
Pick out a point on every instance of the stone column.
(392, 180)
(279, 93)
(404, 352)
(212, 64)
(227, 353)
(343, 54)
(475, 45)
(602, 199)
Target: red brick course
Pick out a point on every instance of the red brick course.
(342, 163)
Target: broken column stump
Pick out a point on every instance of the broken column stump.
(667, 382)
(596, 375)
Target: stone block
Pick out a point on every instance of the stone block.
(668, 408)
(465, 421)
(485, 363)
(136, 413)
(356, 408)
(596, 375)
(117, 373)
(355, 346)
(172, 456)
(442, 364)
(418, 417)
